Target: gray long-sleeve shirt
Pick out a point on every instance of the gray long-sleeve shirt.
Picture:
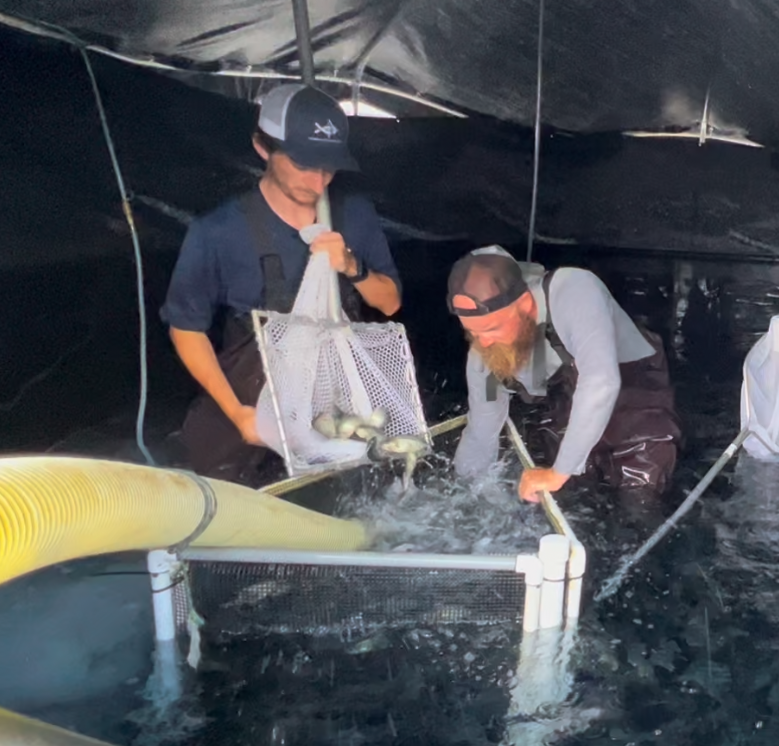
(598, 334)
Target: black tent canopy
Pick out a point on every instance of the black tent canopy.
(657, 65)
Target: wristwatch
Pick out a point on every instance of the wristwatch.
(362, 271)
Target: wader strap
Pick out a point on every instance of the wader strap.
(351, 300)
(552, 336)
(277, 295)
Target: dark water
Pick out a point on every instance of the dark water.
(683, 654)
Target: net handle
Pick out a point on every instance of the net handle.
(334, 293)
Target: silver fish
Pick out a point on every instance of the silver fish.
(408, 447)
(343, 426)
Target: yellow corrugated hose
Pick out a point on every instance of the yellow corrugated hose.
(54, 509)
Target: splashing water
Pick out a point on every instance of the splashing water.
(451, 516)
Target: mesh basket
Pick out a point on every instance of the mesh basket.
(313, 366)
(238, 599)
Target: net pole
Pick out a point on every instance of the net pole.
(303, 36)
(334, 294)
(307, 74)
(577, 562)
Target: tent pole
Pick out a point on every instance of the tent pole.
(303, 34)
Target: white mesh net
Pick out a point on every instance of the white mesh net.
(760, 395)
(317, 362)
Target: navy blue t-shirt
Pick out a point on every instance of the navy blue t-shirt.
(219, 264)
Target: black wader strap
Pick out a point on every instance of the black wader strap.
(551, 335)
(351, 300)
(277, 296)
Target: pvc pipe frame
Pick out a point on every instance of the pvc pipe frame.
(528, 565)
(163, 568)
(545, 573)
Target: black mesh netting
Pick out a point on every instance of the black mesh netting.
(242, 600)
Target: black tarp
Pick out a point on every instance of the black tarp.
(608, 65)
(439, 178)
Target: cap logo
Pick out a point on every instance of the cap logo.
(329, 131)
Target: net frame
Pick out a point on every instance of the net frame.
(545, 585)
(402, 385)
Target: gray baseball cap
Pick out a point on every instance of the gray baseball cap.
(309, 126)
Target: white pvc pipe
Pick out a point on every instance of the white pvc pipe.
(161, 565)
(506, 563)
(530, 566)
(553, 551)
(577, 564)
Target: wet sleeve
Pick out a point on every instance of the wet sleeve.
(365, 237)
(478, 446)
(582, 313)
(193, 293)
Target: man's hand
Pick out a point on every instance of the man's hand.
(535, 481)
(245, 420)
(341, 259)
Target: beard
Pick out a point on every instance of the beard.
(505, 360)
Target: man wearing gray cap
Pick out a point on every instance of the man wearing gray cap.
(248, 253)
(562, 337)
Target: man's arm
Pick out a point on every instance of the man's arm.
(368, 245)
(193, 295)
(582, 316)
(478, 446)
(198, 355)
(377, 290)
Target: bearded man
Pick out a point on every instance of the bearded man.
(561, 337)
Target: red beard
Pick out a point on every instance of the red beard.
(505, 360)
